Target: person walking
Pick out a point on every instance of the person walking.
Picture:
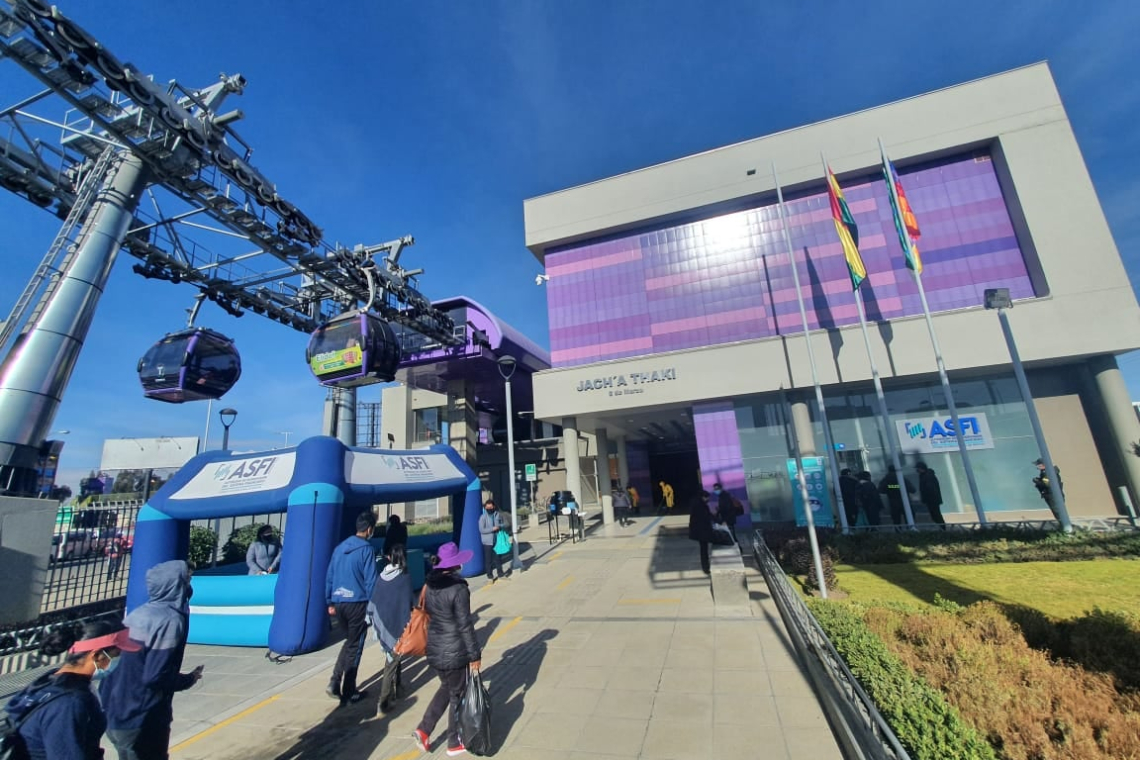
(138, 697)
(728, 509)
(451, 646)
(264, 554)
(621, 505)
(1041, 483)
(349, 583)
(849, 489)
(58, 716)
(700, 527)
(634, 499)
(930, 491)
(116, 548)
(890, 486)
(869, 499)
(390, 609)
(396, 534)
(490, 523)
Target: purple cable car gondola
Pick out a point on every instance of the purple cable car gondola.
(356, 348)
(191, 365)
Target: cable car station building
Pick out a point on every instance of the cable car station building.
(675, 333)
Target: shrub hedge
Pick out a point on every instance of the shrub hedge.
(928, 727)
(203, 542)
(993, 544)
(1025, 705)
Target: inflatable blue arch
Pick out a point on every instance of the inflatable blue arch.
(321, 485)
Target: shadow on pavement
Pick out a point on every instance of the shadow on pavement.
(353, 731)
(509, 680)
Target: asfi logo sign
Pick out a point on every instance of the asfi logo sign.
(389, 469)
(260, 473)
(932, 435)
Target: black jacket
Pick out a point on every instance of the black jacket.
(700, 521)
(395, 533)
(451, 642)
(869, 497)
(889, 485)
(929, 489)
(726, 508)
(849, 487)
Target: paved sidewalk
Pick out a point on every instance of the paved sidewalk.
(610, 648)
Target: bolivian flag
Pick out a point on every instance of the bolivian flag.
(848, 232)
(905, 222)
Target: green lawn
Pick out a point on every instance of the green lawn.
(1059, 589)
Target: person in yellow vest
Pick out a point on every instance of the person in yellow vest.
(666, 497)
(633, 499)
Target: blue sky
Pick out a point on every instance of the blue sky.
(438, 118)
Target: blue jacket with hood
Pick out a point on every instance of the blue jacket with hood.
(64, 720)
(141, 689)
(352, 572)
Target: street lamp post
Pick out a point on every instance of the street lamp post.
(998, 298)
(227, 416)
(507, 365)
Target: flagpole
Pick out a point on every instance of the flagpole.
(817, 560)
(884, 418)
(942, 376)
(811, 357)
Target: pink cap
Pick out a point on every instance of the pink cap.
(119, 640)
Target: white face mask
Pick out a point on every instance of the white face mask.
(101, 673)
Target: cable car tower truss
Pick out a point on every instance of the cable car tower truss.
(151, 169)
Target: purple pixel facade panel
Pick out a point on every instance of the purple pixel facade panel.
(718, 444)
(728, 279)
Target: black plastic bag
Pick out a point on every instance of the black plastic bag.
(475, 716)
(721, 535)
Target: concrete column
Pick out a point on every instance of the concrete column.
(605, 497)
(396, 417)
(570, 453)
(463, 427)
(1120, 416)
(328, 422)
(346, 416)
(623, 462)
(801, 418)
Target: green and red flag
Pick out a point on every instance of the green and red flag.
(847, 231)
(906, 224)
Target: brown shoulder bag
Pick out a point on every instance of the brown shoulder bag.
(413, 641)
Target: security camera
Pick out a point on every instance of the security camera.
(541, 278)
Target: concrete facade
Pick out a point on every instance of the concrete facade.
(1071, 274)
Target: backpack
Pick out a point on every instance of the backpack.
(737, 511)
(12, 745)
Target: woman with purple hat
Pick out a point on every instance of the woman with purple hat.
(451, 645)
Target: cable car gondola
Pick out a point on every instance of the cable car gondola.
(355, 348)
(191, 365)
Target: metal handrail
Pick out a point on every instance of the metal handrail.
(870, 732)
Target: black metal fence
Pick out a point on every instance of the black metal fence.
(90, 554)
